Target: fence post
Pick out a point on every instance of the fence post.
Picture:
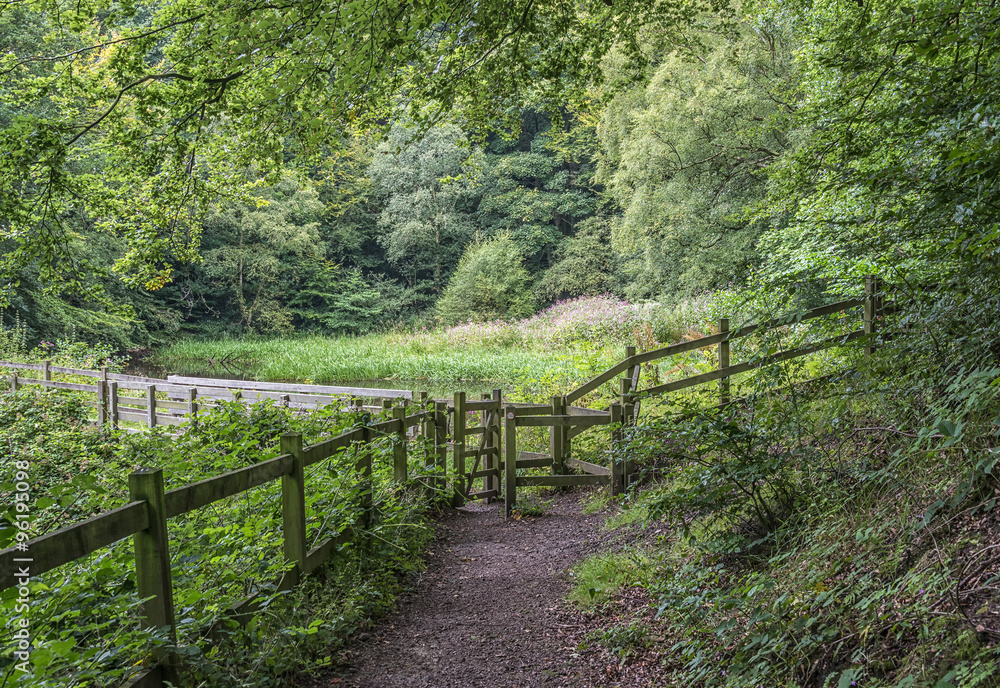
(724, 396)
(556, 438)
(617, 481)
(510, 461)
(192, 393)
(400, 470)
(496, 442)
(152, 562)
(872, 287)
(626, 399)
(458, 451)
(427, 439)
(47, 371)
(102, 398)
(567, 443)
(489, 483)
(293, 510)
(441, 443)
(151, 406)
(13, 381)
(630, 374)
(113, 403)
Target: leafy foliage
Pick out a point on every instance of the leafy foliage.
(489, 283)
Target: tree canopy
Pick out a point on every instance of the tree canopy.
(141, 114)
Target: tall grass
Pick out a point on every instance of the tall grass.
(552, 351)
(563, 345)
(373, 357)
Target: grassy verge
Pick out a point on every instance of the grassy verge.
(848, 540)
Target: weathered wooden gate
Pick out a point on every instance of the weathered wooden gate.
(476, 447)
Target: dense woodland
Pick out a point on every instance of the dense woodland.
(193, 169)
(693, 166)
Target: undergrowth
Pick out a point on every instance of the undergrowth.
(837, 535)
(84, 615)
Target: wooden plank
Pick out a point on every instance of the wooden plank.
(484, 405)
(483, 494)
(174, 405)
(561, 480)
(202, 493)
(791, 319)
(136, 378)
(56, 384)
(587, 467)
(170, 420)
(72, 542)
(526, 456)
(400, 465)
(75, 371)
(546, 421)
(153, 582)
(606, 376)
(289, 388)
(510, 460)
(418, 418)
(521, 410)
(125, 414)
(20, 366)
(322, 552)
(695, 380)
(461, 419)
(556, 437)
(293, 508)
(576, 431)
(485, 451)
(581, 411)
(327, 448)
(386, 427)
(534, 463)
(475, 431)
(485, 473)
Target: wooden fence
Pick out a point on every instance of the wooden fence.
(134, 398)
(483, 442)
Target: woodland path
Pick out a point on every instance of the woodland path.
(489, 610)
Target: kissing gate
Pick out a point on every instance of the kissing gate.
(484, 443)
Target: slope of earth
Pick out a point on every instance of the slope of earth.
(489, 610)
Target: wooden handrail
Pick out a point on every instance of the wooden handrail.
(702, 342)
(73, 542)
(729, 371)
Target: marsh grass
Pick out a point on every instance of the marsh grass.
(549, 353)
(325, 360)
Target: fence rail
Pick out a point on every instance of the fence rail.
(186, 394)
(489, 440)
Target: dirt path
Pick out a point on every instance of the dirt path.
(488, 611)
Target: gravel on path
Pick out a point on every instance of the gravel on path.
(489, 610)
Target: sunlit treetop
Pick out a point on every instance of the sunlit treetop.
(154, 109)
